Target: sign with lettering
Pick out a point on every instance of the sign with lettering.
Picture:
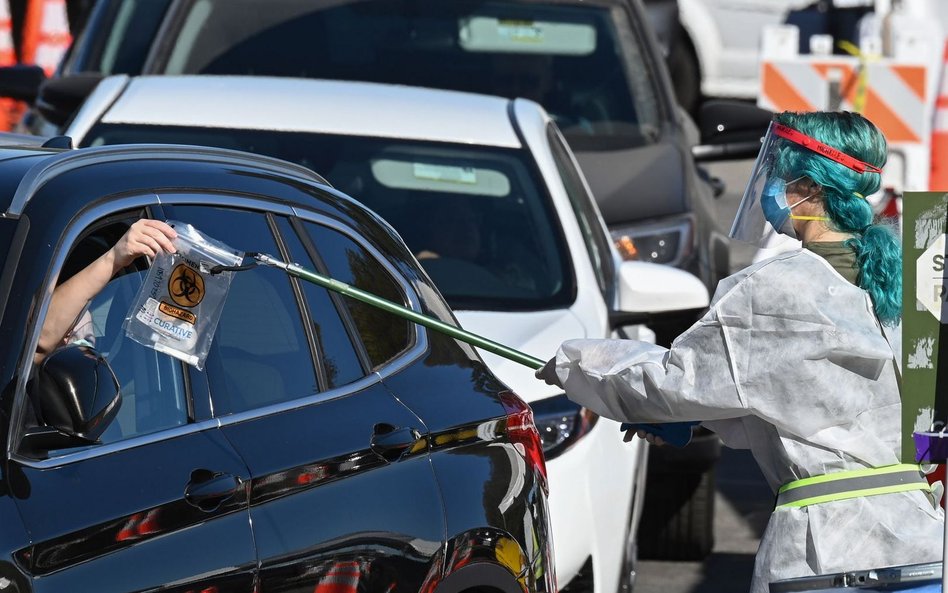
(924, 319)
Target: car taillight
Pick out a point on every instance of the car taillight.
(524, 435)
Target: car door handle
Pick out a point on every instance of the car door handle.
(208, 491)
(391, 442)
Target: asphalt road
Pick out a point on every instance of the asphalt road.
(744, 501)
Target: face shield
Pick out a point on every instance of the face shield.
(778, 172)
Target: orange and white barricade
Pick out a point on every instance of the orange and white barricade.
(939, 167)
(896, 93)
(45, 34)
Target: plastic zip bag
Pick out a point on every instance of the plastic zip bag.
(179, 304)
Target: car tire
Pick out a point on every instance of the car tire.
(685, 73)
(679, 520)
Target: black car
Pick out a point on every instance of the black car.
(326, 445)
(593, 64)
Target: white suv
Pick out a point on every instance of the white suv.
(488, 196)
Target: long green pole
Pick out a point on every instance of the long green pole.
(403, 312)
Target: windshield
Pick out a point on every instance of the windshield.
(475, 217)
(582, 63)
(118, 37)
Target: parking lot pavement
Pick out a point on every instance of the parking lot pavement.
(742, 506)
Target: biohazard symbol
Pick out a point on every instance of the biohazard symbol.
(186, 287)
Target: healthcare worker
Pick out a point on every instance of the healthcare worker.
(792, 361)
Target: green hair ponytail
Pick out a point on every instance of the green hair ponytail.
(877, 247)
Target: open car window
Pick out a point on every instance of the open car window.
(152, 384)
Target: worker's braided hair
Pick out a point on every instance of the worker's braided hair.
(876, 244)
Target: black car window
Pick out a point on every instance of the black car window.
(152, 383)
(7, 231)
(334, 345)
(587, 214)
(583, 63)
(383, 335)
(260, 354)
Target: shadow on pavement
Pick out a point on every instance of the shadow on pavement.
(726, 572)
(742, 507)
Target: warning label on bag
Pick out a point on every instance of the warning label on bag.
(186, 286)
(153, 314)
(181, 314)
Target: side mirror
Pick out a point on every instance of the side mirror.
(730, 130)
(655, 292)
(75, 396)
(21, 82)
(60, 98)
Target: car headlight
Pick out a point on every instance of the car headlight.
(668, 241)
(561, 423)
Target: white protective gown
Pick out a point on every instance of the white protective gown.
(789, 362)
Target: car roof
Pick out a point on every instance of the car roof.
(15, 163)
(318, 106)
(24, 169)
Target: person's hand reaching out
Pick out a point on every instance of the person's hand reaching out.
(145, 237)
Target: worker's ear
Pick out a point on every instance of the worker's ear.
(811, 187)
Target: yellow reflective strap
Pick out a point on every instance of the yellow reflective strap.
(854, 494)
(845, 475)
(795, 217)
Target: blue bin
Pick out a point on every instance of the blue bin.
(917, 578)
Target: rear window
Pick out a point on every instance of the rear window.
(582, 63)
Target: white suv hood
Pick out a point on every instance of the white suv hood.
(538, 334)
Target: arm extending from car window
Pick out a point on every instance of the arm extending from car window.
(145, 237)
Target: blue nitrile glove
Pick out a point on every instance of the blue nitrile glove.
(676, 434)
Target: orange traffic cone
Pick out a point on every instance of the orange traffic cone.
(45, 34)
(938, 180)
(10, 109)
(7, 54)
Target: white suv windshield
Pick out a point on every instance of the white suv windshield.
(478, 219)
(582, 63)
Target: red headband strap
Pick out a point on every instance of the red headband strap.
(828, 151)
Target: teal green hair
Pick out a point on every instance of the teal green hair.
(877, 247)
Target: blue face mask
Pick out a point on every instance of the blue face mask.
(773, 201)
